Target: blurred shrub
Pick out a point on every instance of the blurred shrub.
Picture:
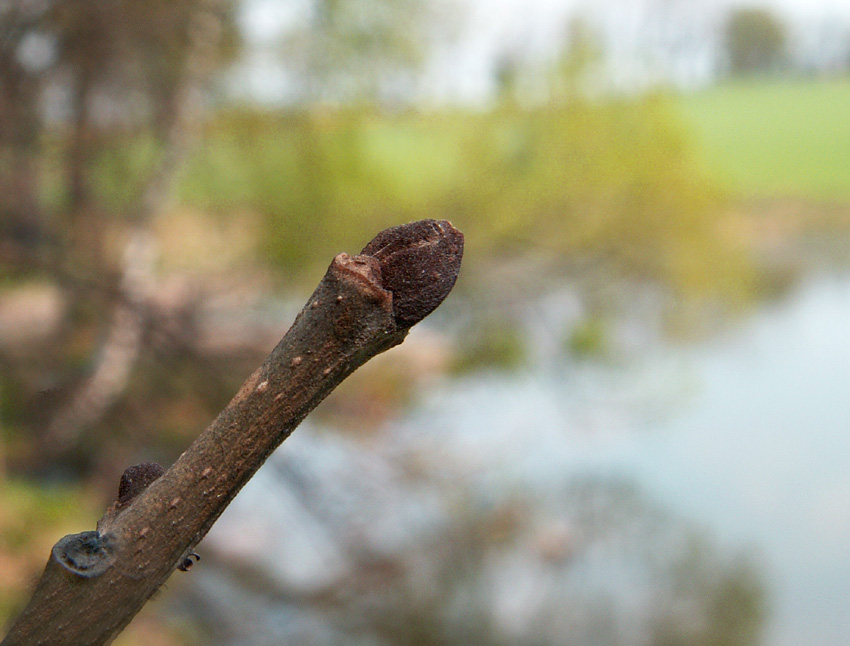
(310, 175)
(588, 339)
(614, 181)
(755, 41)
(494, 345)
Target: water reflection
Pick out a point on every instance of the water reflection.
(570, 503)
(399, 544)
(747, 434)
(761, 454)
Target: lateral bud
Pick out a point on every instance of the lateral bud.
(136, 479)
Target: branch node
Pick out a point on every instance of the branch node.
(87, 554)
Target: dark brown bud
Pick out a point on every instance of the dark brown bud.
(419, 263)
(136, 479)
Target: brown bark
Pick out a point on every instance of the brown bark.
(95, 582)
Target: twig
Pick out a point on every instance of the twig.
(95, 582)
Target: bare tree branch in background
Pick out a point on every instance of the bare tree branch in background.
(20, 128)
(121, 347)
(358, 51)
(98, 104)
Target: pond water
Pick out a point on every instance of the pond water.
(762, 454)
(745, 435)
(748, 434)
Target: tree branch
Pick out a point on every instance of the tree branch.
(95, 582)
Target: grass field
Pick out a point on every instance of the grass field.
(775, 138)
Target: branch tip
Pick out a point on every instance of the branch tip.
(419, 263)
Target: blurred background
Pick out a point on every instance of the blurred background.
(627, 425)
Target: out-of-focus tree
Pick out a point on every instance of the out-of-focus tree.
(97, 103)
(755, 41)
(359, 50)
(578, 66)
(21, 74)
(579, 562)
(353, 58)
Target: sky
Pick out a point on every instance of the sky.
(638, 35)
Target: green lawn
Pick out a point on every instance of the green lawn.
(775, 138)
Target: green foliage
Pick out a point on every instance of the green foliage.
(613, 181)
(312, 176)
(733, 593)
(32, 517)
(28, 505)
(357, 50)
(780, 138)
(119, 170)
(495, 346)
(589, 338)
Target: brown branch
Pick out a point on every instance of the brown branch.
(95, 582)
